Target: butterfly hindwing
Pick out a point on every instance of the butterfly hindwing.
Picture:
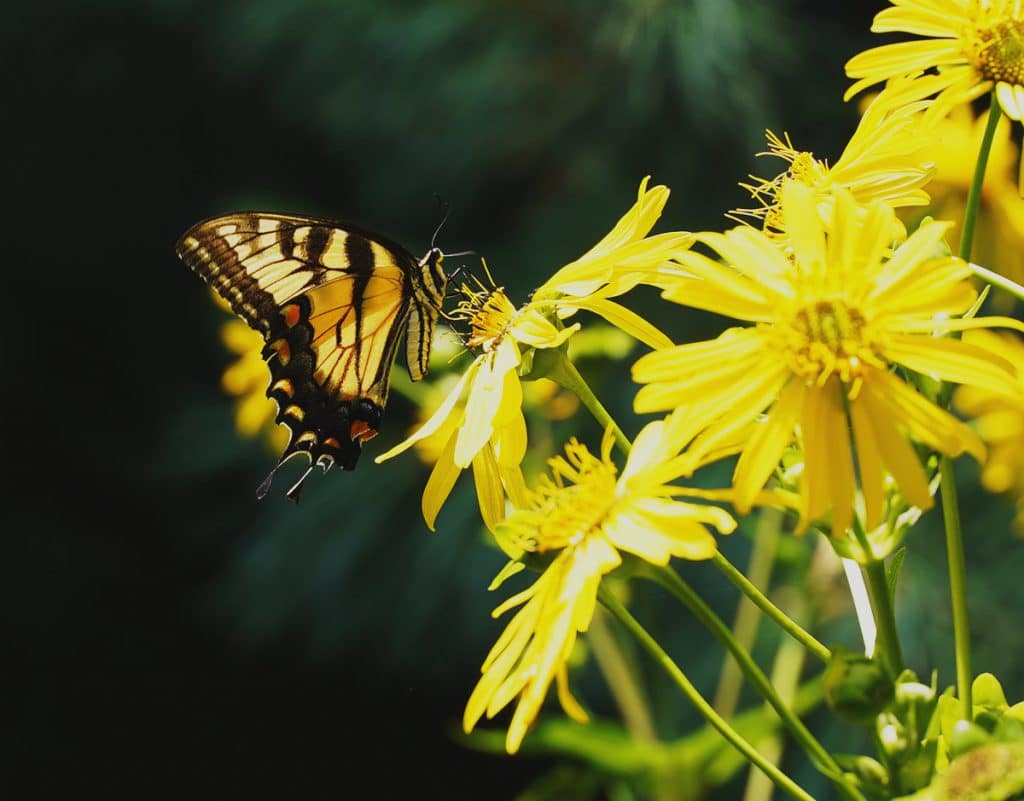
(332, 302)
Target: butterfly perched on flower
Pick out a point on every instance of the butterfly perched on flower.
(332, 302)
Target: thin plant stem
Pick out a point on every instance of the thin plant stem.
(974, 193)
(947, 481)
(625, 689)
(744, 627)
(675, 673)
(565, 373)
(957, 584)
(683, 592)
(885, 617)
(785, 678)
(997, 280)
(743, 584)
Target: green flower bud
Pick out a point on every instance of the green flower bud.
(857, 687)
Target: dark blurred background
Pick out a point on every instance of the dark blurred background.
(165, 632)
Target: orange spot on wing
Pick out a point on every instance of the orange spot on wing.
(360, 430)
(282, 349)
(291, 314)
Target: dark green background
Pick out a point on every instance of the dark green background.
(167, 633)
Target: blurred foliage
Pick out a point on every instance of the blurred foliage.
(165, 628)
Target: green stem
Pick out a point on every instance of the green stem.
(683, 592)
(974, 193)
(957, 584)
(785, 678)
(997, 280)
(625, 689)
(781, 780)
(781, 618)
(947, 487)
(744, 627)
(885, 618)
(565, 373)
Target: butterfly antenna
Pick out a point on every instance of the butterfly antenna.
(440, 225)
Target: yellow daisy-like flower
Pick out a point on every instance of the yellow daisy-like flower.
(999, 236)
(483, 411)
(830, 324)
(885, 160)
(1000, 421)
(246, 379)
(587, 514)
(972, 44)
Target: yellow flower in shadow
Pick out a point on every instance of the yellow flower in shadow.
(999, 233)
(1000, 421)
(246, 379)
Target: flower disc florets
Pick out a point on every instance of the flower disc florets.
(999, 52)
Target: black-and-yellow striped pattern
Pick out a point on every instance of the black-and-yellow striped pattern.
(332, 302)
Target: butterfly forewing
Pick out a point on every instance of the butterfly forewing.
(332, 302)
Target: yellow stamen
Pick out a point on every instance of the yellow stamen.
(489, 313)
(569, 513)
(999, 53)
(830, 338)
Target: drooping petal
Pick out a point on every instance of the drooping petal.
(763, 453)
(439, 485)
(438, 418)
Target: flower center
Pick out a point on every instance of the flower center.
(571, 512)
(489, 314)
(1000, 52)
(829, 338)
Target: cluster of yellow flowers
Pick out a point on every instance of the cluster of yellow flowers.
(829, 387)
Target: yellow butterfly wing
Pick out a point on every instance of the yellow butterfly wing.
(332, 302)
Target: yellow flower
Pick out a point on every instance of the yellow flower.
(1000, 421)
(247, 380)
(483, 412)
(885, 160)
(830, 324)
(586, 514)
(972, 45)
(999, 236)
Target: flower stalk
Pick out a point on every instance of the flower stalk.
(786, 623)
(675, 673)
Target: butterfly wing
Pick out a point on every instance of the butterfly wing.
(332, 302)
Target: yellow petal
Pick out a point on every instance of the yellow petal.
(764, 451)
(439, 485)
(869, 462)
(899, 457)
(1011, 99)
(828, 466)
(626, 320)
(923, 420)
(489, 493)
(484, 401)
(953, 360)
(804, 229)
(438, 418)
